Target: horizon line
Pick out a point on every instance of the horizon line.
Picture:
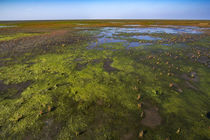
(101, 19)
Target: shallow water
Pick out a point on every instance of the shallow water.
(146, 37)
(112, 34)
(103, 40)
(151, 30)
(167, 29)
(137, 44)
(6, 26)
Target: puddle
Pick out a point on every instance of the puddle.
(108, 40)
(208, 115)
(6, 26)
(17, 89)
(152, 117)
(80, 66)
(146, 37)
(107, 66)
(104, 40)
(137, 44)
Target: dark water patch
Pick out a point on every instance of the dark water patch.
(107, 67)
(3, 86)
(95, 61)
(191, 77)
(204, 60)
(128, 136)
(21, 87)
(152, 117)
(13, 91)
(49, 131)
(81, 66)
(208, 115)
(78, 59)
(62, 84)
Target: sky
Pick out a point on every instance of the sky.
(103, 9)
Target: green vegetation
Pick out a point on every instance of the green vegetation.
(108, 92)
(15, 36)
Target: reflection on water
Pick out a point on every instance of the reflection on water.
(115, 34)
(103, 40)
(145, 37)
(137, 44)
(168, 30)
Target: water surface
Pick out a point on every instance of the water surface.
(115, 34)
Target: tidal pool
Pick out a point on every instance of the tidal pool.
(168, 30)
(145, 37)
(103, 40)
(137, 44)
(116, 34)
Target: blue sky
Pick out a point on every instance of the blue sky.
(104, 9)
